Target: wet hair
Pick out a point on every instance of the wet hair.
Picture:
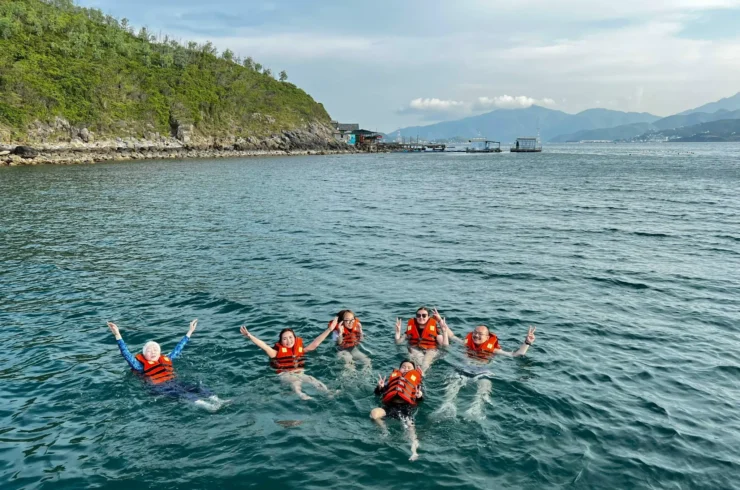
(422, 308)
(280, 337)
(405, 361)
(340, 315)
(151, 343)
(488, 330)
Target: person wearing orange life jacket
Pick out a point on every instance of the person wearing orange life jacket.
(400, 395)
(348, 336)
(159, 371)
(424, 335)
(287, 357)
(480, 345)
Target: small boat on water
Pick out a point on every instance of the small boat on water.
(527, 145)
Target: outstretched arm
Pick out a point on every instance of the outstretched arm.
(130, 359)
(317, 341)
(524, 347)
(268, 350)
(180, 345)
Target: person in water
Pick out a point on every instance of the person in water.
(159, 371)
(287, 357)
(424, 335)
(400, 395)
(481, 345)
(348, 336)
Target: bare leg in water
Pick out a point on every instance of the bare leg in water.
(448, 404)
(483, 395)
(361, 357)
(429, 356)
(349, 362)
(410, 427)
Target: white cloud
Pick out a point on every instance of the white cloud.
(510, 102)
(438, 105)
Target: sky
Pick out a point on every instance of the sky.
(390, 64)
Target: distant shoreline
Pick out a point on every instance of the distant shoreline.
(87, 157)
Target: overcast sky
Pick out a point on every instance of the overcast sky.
(389, 64)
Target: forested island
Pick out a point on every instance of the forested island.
(77, 85)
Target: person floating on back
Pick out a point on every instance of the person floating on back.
(348, 336)
(159, 371)
(287, 357)
(400, 395)
(424, 335)
(480, 346)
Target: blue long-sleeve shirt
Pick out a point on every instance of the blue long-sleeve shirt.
(136, 365)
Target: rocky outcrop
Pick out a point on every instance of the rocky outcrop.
(82, 147)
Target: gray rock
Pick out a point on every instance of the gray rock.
(85, 135)
(25, 152)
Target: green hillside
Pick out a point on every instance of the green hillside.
(58, 60)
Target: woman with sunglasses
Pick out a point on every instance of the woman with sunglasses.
(424, 335)
(287, 357)
(348, 336)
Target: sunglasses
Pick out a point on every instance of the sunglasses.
(422, 315)
(348, 321)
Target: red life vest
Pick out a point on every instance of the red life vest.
(350, 336)
(157, 371)
(427, 339)
(402, 386)
(483, 351)
(288, 359)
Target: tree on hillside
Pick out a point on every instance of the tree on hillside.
(283, 76)
(249, 63)
(228, 55)
(257, 67)
(267, 72)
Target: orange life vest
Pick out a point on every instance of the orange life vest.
(402, 386)
(483, 351)
(288, 359)
(157, 371)
(427, 339)
(350, 336)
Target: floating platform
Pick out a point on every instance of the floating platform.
(527, 145)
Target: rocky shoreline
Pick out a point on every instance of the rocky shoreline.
(81, 148)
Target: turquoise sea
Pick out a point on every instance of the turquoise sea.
(626, 259)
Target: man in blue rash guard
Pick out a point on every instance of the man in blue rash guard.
(159, 372)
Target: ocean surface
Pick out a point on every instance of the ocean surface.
(625, 257)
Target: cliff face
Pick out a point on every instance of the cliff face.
(74, 79)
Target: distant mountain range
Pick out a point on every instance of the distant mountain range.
(721, 130)
(508, 124)
(631, 131)
(556, 126)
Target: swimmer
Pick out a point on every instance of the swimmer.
(400, 396)
(158, 370)
(287, 357)
(348, 336)
(424, 335)
(481, 345)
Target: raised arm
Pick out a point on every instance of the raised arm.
(524, 347)
(317, 341)
(180, 345)
(130, 359)
(338, 332)
(399, 338)
(443, 338)
(268, 350)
